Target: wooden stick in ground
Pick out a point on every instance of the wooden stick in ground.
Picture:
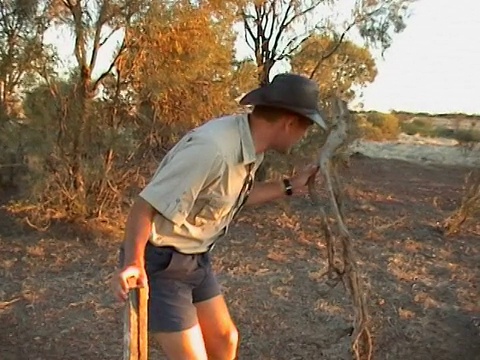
(135, 325)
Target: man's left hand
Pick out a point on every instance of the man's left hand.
(300, 180)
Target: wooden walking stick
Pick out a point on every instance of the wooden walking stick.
(135, 324)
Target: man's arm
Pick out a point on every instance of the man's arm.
(137, 232)
(264, 192)
(269, 191)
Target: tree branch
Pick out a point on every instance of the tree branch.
(286, 22)
(264, 16)
(281, 29)
(76, 11)
(110, 68)
(98, 30)
(249, 31)
(350, 275)
(106, 38)
(342, 37)
(260, 34)
(302, 13)
(332, 50)
(287, 51)
(272, 11)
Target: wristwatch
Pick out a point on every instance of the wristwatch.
(288, 187)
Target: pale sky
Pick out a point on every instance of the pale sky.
(432, 66)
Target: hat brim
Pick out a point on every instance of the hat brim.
(257, 97)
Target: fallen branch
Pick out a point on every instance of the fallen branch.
(4, 304)
(362, 347)
(381, 228)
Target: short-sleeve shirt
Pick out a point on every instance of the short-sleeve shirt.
(202, 183)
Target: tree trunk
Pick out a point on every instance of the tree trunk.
(264, 70)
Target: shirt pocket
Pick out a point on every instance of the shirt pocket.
(210, 209)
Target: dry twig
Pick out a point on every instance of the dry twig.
(4, 304)
(361, 339)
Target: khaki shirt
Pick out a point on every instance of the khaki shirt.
(201, 184)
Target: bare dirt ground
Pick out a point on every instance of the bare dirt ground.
(423, 288)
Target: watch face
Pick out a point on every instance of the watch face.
(288, 187)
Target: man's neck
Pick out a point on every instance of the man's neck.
(260, 134)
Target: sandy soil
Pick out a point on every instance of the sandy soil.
(423, 288)
(422, 150)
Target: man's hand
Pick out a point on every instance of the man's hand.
(300, 180)
(121, 284)
(137, 231)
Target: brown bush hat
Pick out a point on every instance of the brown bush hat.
(292, 92)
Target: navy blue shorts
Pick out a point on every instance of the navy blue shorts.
(176, 282)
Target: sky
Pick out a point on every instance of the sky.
(432, 66)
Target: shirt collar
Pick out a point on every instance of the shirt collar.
(248, 148)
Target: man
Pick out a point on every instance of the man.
(197, 190)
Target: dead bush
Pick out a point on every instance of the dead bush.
(469, 206)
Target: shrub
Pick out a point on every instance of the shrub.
(463, 135)
(378, 126)
(418, 126)
(76, 169)
(424, 128)
(443, 132)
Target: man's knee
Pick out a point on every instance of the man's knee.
(224, 345)
(183, 345)
(231, 338)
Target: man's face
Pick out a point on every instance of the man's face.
(291, 130)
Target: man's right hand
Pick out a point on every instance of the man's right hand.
(121, 284)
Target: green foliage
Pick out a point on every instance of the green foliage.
(22, 53)
(58, 183)
(181, 83)
(276, 29)
(381, 19)
(426, 128)
(349, 69)
(377, 126)
(87, 154)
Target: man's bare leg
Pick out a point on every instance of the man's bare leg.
(183, 345)
(219, 333)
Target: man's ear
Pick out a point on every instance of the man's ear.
(290, 122)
